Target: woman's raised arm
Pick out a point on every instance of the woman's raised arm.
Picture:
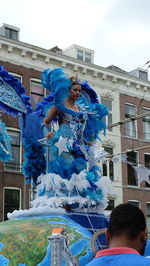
(50, 116)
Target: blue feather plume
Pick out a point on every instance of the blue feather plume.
(35, 163)
(61, 167)
(93, 194)
(90, 92)
(56, 81)
(95, 122)
(45, 105)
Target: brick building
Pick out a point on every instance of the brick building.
(136, 141)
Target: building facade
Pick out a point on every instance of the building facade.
(136, 142)
(115, 88)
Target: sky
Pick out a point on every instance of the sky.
(117, 30)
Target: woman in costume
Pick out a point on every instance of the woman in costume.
(75, 92)
(73, 176)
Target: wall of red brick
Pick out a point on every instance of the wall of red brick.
(140, 193)
(12, 179)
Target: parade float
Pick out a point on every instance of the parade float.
(66, 222)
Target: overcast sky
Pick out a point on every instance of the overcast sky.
(117, 30)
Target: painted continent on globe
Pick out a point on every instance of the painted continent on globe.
(24, 240)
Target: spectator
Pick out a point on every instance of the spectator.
(126, 237)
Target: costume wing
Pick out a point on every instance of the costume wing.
(12, 102)
(12, 98)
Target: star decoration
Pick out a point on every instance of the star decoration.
(143, 173)
(101, 154)
(69, 143)
(61, 145)
(115, 158)
(124, 157)
(83, 149)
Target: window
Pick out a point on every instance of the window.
(80, 55)
(87, 57)
(108, 167)
(84, 56)
(146, 124)
(132, 178)
(15, 163)
(10, 33)
(108, 118)
(16, 76)
(148, 218)
(135, 203)
(37, 93)
(147, 164)
(143, 75)
(12, 200)
(111, 205)
(130, 112)
(32, 194)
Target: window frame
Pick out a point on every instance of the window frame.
(143, 75)
(16, 76)
(88, 60)
(134, 121)
(128, 165)
(83, 58)
(35, 195)
(106, 118)
(148, 110)
(107, 164)
(11, 31)
(147, 186)
(110, 200)
(20, 197)
(79, 57)
(135, 201)
(20, 150)
(33, 93)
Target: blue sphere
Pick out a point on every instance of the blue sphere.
(24, 240)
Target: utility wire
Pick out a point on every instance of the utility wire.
(129, 120)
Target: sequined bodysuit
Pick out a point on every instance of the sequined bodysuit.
(72, 127)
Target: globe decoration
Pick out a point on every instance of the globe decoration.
(24, 240)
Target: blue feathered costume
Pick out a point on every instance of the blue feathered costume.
(73, 177)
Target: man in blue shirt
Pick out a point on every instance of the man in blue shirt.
(126, 237)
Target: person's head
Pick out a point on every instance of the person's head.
(75, 88)
(127, 225)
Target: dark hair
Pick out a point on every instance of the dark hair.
(74, 80)
(126, 219)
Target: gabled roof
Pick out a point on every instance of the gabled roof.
(117, 69)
